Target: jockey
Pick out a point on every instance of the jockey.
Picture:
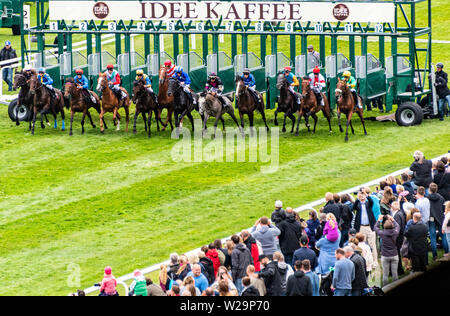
(214, 85)
(250, 82)
(27, 71)
(351, 83)
(170, 69)
(83, 83)
(317, 83)
(113, 78)
(148, 83)
(46, 80)
(293, 81)
(185, 81)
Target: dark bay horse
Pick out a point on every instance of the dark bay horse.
(346, 104)
(79, 104)
(164, 101)
(247, 104)
(210, 105)
(44, 103)
(310, 106)
(110, 103)
(286, 102)
(145, 104)
(182, 103)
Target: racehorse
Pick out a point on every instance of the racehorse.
(346, 104)
(310, 106)
(78, 103)
(247, 104)
(111, 103)
(210, 105)
(44, 103)
(286, 102)
(164, 101)
(182, 103)
(25, 98)
(144, 104)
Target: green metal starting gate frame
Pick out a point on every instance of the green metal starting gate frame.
(398, 78)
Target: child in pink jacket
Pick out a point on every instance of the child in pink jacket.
(330, 230)
(109, 283)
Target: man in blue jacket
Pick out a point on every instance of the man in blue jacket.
(185, 81)
(83, 83)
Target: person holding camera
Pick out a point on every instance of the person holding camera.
(388, 230)
(422, 170)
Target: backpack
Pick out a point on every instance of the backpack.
(207, 269)
(283, 273)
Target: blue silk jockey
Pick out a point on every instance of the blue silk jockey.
(47, 81)
(185, 81)
(83, 83)
(140, 75)
(293, 81)
(250, 82)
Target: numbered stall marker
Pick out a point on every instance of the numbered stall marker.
(141, 26)
(83, 26)
(288, 28)
(348, 28)
(379, 28)
(53, 26)
(200, 27)
(112, 26)
(170, 26)
(318, 28)
(259, 27)
(229, 27)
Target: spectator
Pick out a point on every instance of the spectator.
(175, 291)
(305, 253)
(224, 289)
(172, 271)
(388, 230)
(391, 181)
(327, 257)
(222, 252)
(400, 217)
(331, 206)
(313, 224)
(364, 222)
(139, 285)
(299, 284)
(189, 284)
(366, 252)
(109, 283)
(207, 266)
(442, 179)
(323, 221)
(418, 244)
(266, 235)
(446, 224)
(240, 259)
(284, 269)
(422, 170)
(306, 268)
(290, 233)
(252, 245)
(423, 205)
(222, 274)
(346, 218)
(330, 230)
(388, 198)
(436, 219)
(344, 274)
(191, 290)
(255, 281)
(154, 289)
(442, 89)
(408, 187)
(184, 268)
(229, 247)
(360, 281)
(213, 255)
(278, 214)
(270, 275)
(315, 54)
(249, 289)
(8, 53)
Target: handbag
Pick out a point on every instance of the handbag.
(404, 250)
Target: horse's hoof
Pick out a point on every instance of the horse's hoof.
(17, 123)
(283, 130)
(71, 134)
(93, 126)
(102, 132)
(297, 133)
(346, 139)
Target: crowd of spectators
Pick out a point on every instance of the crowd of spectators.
(330, 253)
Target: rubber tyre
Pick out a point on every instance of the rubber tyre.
(24, 112)
(408, 114)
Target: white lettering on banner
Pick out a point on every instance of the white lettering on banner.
(281, 11)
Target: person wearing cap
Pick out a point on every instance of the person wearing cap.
(250, 83)
(442, 90)
(170, 68)
(293, 81)
(278, 215)
(270, 275)
(28, 71)
(109, 283)
(46, 80)
(140, 75)
(214, 85)
(313, 53)
(185, 80)
(8, 53)
(83, 84)
(351, 83)
(305, 253)
(317, 83)
(139, 285)
(113, 78)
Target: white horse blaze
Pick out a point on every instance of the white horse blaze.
(100, 80)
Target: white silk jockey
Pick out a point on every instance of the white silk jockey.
(317, 83)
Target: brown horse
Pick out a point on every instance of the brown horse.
(164, 101)
(346, 104)
(79, 104)
(247, 104)
(44, 103)
(144, 104)
(110, 103)
(310, 106)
